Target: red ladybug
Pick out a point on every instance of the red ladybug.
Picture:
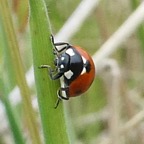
(74, 66)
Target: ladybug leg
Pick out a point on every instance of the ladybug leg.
(59, 93)
(52, 72)
(63, 44)
(60, 96)
(57, 103)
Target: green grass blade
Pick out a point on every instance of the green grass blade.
(17, 66)
(53, 123)
(5, 88)
(140, 31)
(15, 127)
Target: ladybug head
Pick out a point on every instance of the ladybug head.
(62, 62)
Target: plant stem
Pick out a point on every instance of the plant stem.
(53, 122)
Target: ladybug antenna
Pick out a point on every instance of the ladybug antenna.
(57, 103)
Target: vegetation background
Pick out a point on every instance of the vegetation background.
(110, 112)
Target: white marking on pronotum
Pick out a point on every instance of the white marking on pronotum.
(68, 74)
(70, 52)
(83, 71)
(84, 60)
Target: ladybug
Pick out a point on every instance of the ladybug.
(74, 67)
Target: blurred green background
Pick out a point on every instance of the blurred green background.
(89, 115)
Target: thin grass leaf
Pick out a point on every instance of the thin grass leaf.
(5, 88)
(15, 127)
(53, 122)
(140, 31)
(17, 66)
